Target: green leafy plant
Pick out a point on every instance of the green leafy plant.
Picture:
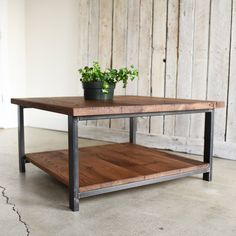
(107, 77)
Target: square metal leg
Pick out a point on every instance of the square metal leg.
(73, 163)
(208, 143)
(21, 139)
(132, 129)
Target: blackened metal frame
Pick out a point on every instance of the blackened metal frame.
(74, 194)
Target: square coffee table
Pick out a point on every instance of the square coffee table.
(96, 170)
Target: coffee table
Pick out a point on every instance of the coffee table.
(96, 170)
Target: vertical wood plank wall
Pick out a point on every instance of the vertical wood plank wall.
(182, 49)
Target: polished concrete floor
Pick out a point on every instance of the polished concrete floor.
(35, 204)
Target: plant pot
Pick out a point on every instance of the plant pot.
(93, 91)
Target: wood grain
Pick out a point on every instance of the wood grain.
(83, 40)
(158, 59)
(93, 39)
(119, 48)
(105, 41)
(171, 60)
(132, 46)
(114, 164)
(133, 42)
(82, 37)
(219, 60)
(145, 57)
(200, 58)
(184, 76)
(77, 106)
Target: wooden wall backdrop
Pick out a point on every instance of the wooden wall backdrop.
(182, 49)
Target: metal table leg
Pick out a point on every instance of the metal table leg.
(208, 143)
(132, 129)
(73, 163)
(21, 139)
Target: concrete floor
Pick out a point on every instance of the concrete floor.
(35, 204)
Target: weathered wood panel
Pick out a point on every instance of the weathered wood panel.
(132, 45)
(200, 62)
(158, 59)
(145, 56)
(83, 38)
(119, 51)
(184, 76)
(93, 36)
(83, 27)
(93, 31)
(219, 60)
(133, 42)
(171, 60)
(105, 40)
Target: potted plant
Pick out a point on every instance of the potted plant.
(100, 85)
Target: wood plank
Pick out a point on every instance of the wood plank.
(93, 38)
(77, 106)
(145, 55)
(219, 60)
(171, 60)
(231, 121)
(83, 38)
(105, 41)
(184, 79)
(132, 45)
(119, 49)
(158, 59)
(114, 164)
(133, 42)
(200, 62)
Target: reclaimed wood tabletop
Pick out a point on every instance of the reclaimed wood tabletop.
(78, 106)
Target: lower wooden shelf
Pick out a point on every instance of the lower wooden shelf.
(114, 164)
